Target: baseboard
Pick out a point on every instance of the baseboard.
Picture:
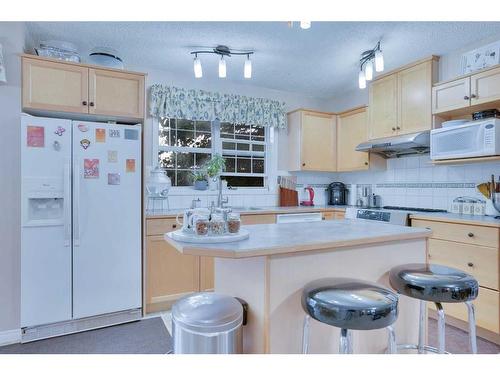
(12, 336)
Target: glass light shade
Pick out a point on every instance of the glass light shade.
(361, 80)
(222, 68)
(305, 24)
(379, 61)
(369, 70)
(247, 69)
(198, 72)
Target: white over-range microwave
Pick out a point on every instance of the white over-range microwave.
(470, 140)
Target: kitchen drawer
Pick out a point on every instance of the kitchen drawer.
(487, 310)
(469, 234)
(160, 226)
(258, 219)
(339, 215)
(479, 261)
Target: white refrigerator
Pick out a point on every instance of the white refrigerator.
(81, 219)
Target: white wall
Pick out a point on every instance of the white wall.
(12, 39)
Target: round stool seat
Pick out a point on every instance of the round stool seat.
(432, 282)
(350, 304)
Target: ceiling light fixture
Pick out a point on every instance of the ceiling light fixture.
(223, 51)
(366, 60)
(247, 69)
(305, 25)
(198, 72)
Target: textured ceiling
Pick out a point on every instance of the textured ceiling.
(320, 62)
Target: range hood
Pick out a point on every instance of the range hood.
(393, 147)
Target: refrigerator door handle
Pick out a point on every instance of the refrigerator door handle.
(76, 202)
(67, 203)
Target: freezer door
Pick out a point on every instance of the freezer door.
(45, 220)
(106, 218)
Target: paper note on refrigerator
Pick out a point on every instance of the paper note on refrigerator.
(114, 133)
(35, 136)
(112, 156)
(113, 179)
(90, 168)
(131, 134)
(100, 135)
(130, 165)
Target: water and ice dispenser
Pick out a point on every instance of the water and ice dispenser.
(43, 202)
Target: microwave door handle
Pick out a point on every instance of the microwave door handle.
(67, 203)
(76, 203)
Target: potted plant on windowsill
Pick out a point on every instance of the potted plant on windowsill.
(200, 179)
(214, 167)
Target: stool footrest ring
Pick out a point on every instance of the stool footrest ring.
(425, 348)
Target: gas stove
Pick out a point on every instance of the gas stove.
(388, 214)
(415, 209)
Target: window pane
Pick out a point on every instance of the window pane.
(230, 164)
(166, 159)
(203, 126)
(243, 146)
(244, 181)
(201, 159)
(184, 178)
(242, 131)
(185, 139)
(257, 165)
(171, 174)
(259, 148)
(185, 160)
(203, 140)
(164, 137)
(226, 130)
(258, 132)
(185, 124)
(228, 145)
(243, 165)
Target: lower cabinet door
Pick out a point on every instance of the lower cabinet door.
(169, 274)
(486, 306)
(206, 274)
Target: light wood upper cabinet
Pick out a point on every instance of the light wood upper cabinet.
(352, 129)
(415, 99)
(485, 87)
(312, 143)
(451, 95)
(116, 94)
(383, 107)
(53, 86)
(400, 102)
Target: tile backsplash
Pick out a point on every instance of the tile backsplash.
(414, 181)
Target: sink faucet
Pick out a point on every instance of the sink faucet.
(221, 201)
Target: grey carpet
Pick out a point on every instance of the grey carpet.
(148, 336)
(457, 341)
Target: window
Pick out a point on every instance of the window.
(185, 145)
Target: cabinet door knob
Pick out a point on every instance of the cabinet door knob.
(470, 264)
(473, 96)
(393, 129)
(84, 102)
(466, 97)
(398, 128)
(174, 226)
(366, 163)
(303, 164)
(470, 234)
(91, 104)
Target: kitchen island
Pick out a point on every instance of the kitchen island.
(269, 270)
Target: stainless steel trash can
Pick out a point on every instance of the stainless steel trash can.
(207, 323)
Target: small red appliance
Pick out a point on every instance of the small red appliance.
(309, 202)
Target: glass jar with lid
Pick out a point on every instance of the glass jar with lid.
(233, 222)
(217, 225)
(200, 225)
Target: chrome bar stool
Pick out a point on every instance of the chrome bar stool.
(438, 284)
(349, 304)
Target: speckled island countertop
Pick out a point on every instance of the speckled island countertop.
(273, 239)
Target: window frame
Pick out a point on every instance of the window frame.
(217, 148)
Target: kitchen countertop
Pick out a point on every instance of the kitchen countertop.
(489, 221)
(274, 239)
(260, 211)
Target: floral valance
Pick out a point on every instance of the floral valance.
(168, 101)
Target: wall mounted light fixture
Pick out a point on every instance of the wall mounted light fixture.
(366, 60)
(223, 52)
